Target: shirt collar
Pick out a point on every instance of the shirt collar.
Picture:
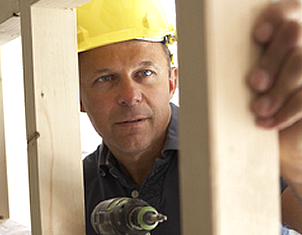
(172, 136)
(105, 157)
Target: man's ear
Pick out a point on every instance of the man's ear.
(82, 109)
(173, 81)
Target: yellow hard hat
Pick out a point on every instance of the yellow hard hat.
(102, 22)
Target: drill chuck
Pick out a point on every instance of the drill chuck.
(120, 216)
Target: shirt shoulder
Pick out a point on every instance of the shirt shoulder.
(90, 162)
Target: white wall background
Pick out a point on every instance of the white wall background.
(15, 135)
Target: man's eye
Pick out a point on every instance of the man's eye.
(145, 73)
(105, 78)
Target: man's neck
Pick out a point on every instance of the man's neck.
(138, 166)
(138, 170)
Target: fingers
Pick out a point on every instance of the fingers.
(287, 84)
(286, 39)
(277, 78)
(281, 106)
(287, 116)
(272, 16)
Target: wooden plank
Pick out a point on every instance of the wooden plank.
(9, 30)
(7, 9)
(59, 3)
(228, 166)
(4, 206)
(9, 15)
(52, 118)
(9, 20)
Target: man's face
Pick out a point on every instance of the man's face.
(125, 90)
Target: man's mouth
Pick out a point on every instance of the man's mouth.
(132, 121)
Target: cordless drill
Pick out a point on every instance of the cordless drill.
(120, 216)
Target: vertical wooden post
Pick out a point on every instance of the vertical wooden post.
(52, 118)
(229, 171)
(4, 208)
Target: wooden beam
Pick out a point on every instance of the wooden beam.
(9, 20)
(52, 119)
(229, 171)
(4, 206)
(9, 15)
(8, 8)
(58, 3)
(9, 30)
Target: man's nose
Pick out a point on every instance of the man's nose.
(129, 93)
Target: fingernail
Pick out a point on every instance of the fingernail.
(260, 80)
(264, 32)
(263, 106)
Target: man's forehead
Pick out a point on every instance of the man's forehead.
(117, 48)
(124, 55)
(125, 44)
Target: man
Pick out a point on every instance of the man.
(126, 83)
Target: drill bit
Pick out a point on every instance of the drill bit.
(153, 218)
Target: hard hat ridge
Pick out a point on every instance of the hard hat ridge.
(102, 22)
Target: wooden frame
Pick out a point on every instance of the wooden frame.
(51, 79)
(228, 166)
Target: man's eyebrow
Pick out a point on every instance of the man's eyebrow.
(148, 63)
(99, 71)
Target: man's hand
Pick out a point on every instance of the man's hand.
(278, 75)
(277, 80)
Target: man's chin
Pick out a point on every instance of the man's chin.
(132, 146)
